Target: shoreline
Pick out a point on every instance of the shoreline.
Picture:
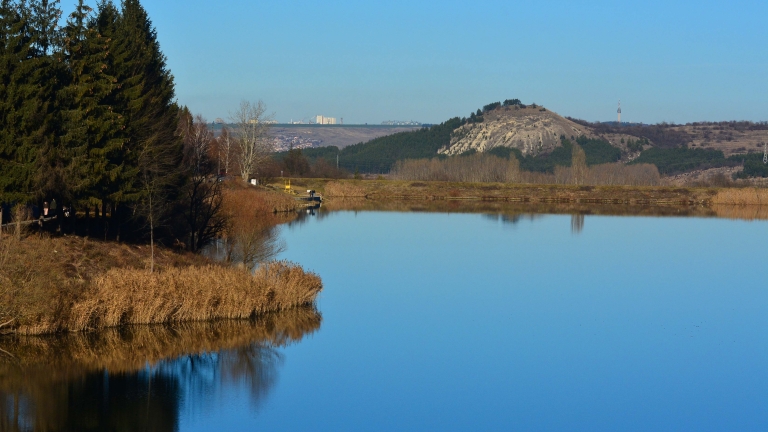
(538, 194)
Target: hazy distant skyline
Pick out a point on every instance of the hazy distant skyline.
(675, 61)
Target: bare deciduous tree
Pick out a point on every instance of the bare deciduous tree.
(202, 191)
(225, 142)
(252, 137)
(578, 165)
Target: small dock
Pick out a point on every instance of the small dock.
(311, 196)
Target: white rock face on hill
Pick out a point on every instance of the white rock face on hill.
(532, 130)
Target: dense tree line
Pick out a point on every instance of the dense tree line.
(492, 168)
(597, 152)
(663, 135)
(679, 160)
(380, 154)
(88, 118)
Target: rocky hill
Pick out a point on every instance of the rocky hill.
(531, 129)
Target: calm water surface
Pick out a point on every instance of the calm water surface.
(466, 322)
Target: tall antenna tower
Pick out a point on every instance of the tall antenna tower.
(765, 153)
(619, 111)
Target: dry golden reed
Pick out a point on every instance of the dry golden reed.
(344, 190)
(243, 199)
(741, 196)
(129, 296)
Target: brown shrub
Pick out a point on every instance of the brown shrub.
(251, 234)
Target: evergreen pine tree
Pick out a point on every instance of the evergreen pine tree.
(31, 169)
(145, 97)
(91, 142)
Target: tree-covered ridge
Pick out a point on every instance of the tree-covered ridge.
(597, 152)
(380, 154)
(679, 160)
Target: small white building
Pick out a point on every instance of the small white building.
(322, 120)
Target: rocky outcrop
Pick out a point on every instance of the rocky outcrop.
(532, 130)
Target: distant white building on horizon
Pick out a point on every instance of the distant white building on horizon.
(322, 120)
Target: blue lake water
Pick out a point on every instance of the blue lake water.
(438, 321)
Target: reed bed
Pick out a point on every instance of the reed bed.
(741, 197)
(259, 200)
(344, 190)
(73, 284)
(128, 296)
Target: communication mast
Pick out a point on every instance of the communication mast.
(619, 111)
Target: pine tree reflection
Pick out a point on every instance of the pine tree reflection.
(135, 378)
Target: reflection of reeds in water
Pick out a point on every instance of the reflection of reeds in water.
(58, 383)
(742, 212)
(132, 348)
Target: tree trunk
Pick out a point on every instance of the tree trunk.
(151, 236)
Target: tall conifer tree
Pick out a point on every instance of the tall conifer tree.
(146, 96)
(32, 169)
(91, 139)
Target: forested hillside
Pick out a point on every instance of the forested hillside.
(380, 154)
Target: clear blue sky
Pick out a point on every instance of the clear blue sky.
(677, 61)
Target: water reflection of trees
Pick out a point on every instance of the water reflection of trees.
(514, 218)
(134, 378)
(577, 223)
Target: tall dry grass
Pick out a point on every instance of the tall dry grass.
(741, 197)
(258, 200)
(344, 190)
(127, 296)
(72, 284)
(481, 168)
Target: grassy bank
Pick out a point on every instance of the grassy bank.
(67, 284)
(541, 194)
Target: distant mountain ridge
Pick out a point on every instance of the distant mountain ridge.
(540, 139)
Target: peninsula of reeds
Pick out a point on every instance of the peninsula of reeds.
(73, 284)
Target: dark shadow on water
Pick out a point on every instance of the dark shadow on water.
(135, 378)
